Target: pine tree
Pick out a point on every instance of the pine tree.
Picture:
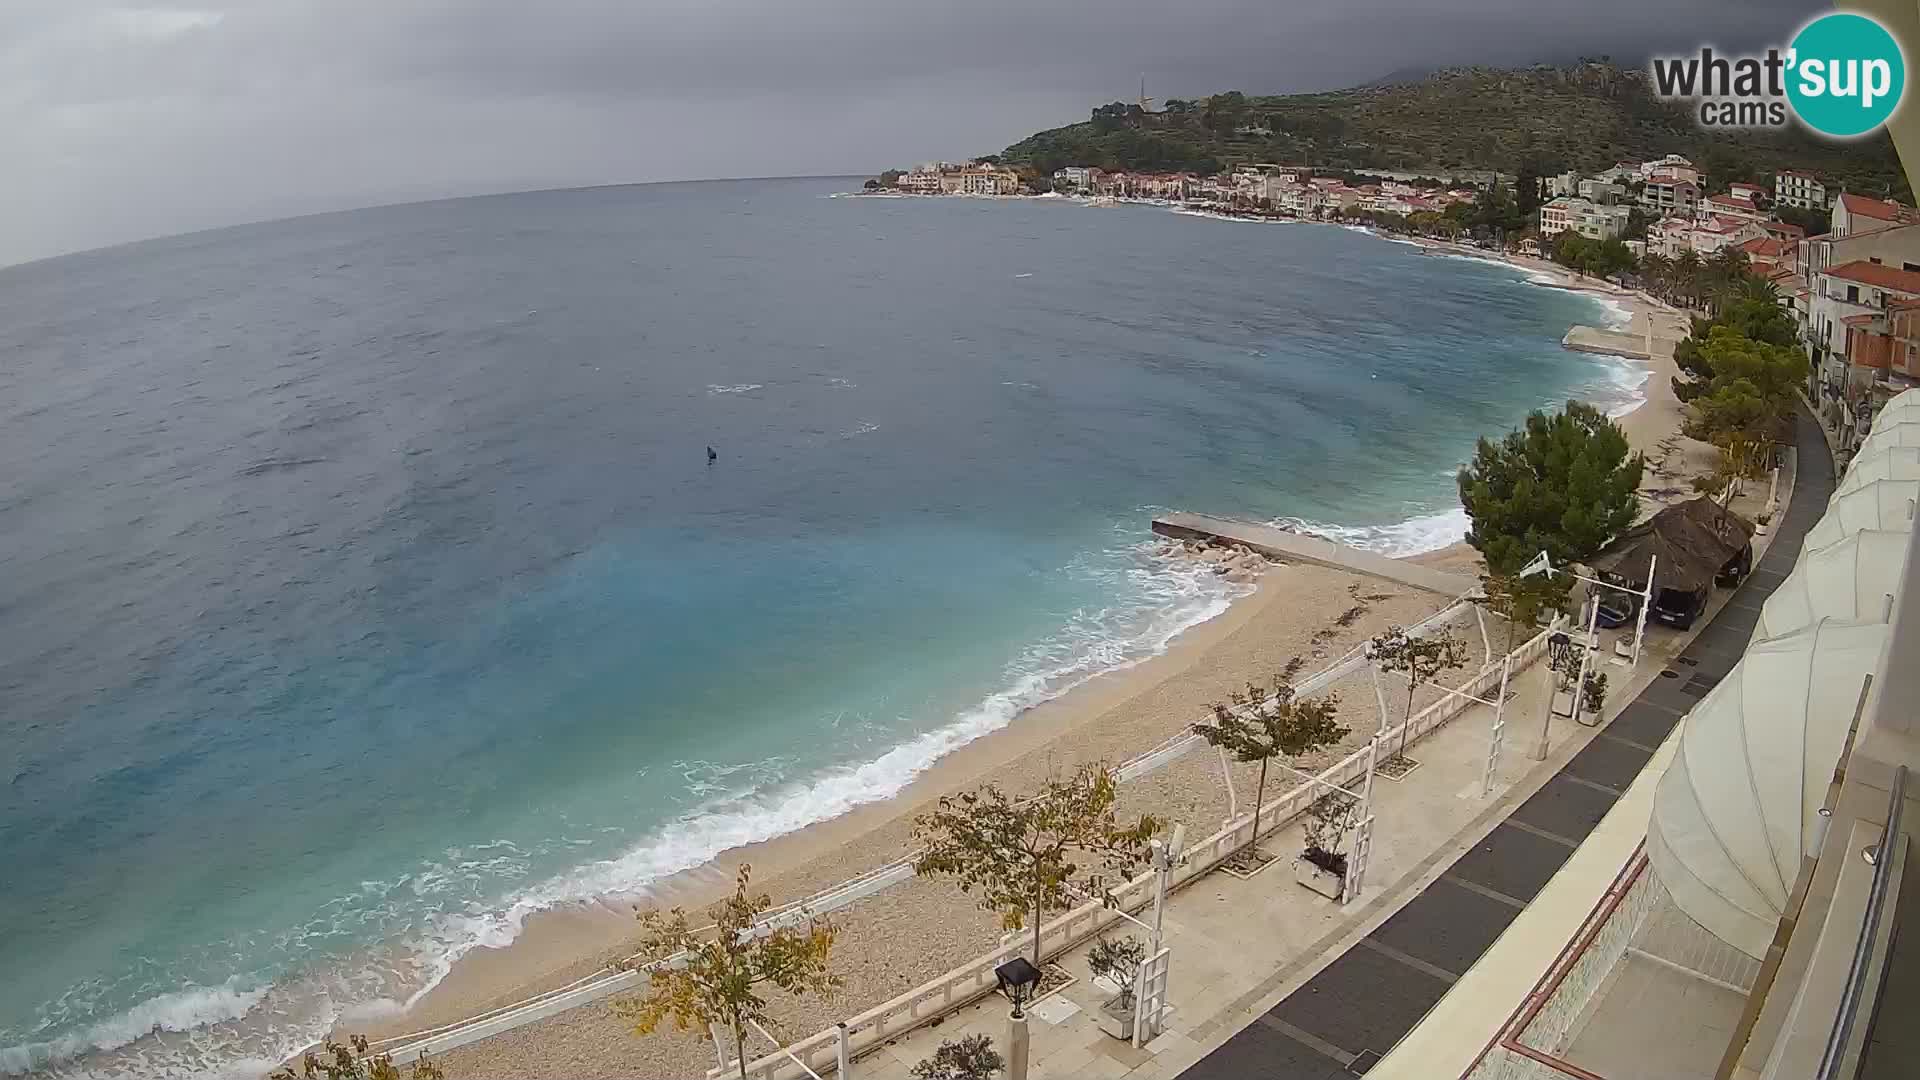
(1565, 484)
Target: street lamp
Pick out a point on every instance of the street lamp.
(1541, 564)
(1018, 980)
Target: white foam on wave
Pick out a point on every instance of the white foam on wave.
(737, 388)
(1616, 314)
(181, 1011)
(1627, 382)
(1166, 597)
(1414, 536)
(243, 1031)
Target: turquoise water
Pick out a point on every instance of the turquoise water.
(366, 586)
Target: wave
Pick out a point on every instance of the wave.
(1617, 315)
(1626, 388)
(737, 388)
(177, 1012)
(1166, 597)
(239, 1030)
(1414, 536)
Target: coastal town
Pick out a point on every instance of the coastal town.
(1844, 264)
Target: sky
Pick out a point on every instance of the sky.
(123, 122)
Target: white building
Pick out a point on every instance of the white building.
(1731, 205)
(1793, 187)
(1081, 177)
(1858, 214)
(1670, 194)
(1676, 235)
(1844, 291)
(1673, 165)
(1605, 192)
(920, 182)
(1583, 216)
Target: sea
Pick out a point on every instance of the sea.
(366, 583)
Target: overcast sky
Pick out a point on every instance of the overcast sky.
(122, 122)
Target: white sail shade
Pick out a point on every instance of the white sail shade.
(1891, 463)
(1850, 580)
(1897, 433)
(1740, 805)
(1882, 504)
(1900, 408)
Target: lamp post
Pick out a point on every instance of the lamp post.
(1018, 980)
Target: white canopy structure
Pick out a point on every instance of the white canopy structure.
(1740, 805)
(1891, 463)
(1901, 407)
(1885, 436)
(1882, 504)
(1850, 580)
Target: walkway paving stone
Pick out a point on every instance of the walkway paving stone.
(1366, 1000)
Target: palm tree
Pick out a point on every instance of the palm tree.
(1656, 270)
(1686, 273)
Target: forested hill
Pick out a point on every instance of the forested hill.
(1541, 119)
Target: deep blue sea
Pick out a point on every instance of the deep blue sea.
(364, 583)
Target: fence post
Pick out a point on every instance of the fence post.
(843, 1052)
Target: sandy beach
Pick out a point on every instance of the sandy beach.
(909, 934)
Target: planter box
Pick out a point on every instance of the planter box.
(1325, 882)
(1115, 1021)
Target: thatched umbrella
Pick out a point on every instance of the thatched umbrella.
(1687, 544)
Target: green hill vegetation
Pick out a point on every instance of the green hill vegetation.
(1541, 120)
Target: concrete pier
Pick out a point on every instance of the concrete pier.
(1616, 343)
(1287, 546)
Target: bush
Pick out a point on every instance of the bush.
(970, 1058)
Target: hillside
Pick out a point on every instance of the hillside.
(1544, 119)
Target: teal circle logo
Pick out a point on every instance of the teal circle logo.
(1846, 74)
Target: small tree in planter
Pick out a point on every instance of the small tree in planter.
(1256, 725)
(1593, 696)
(1020, 854)
(1420, 660)
(1119, 962)
(1327, 823)
(719, 982)
(969, 1058)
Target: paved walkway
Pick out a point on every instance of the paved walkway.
(1343, 1019)
(1299, 547)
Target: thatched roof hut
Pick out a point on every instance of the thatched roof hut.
(1689, 543)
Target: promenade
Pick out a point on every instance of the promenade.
(1268, 980)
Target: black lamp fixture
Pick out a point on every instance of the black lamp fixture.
(1560, 651)
(1018, 980)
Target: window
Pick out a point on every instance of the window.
(1853, 294)
(1875, 260)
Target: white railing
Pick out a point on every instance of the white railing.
(975, 979)
(605, 983)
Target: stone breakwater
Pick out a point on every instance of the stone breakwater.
(1236, 562)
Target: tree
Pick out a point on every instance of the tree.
(1020, 854)
(353, 1060)
(969, 1058)
(1256, 725)
(701, 980)
(1565, 484)
(1419, 660)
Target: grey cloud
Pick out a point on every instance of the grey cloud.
(147, 117)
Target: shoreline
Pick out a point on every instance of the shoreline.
(1105, 717)
(561, 944)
